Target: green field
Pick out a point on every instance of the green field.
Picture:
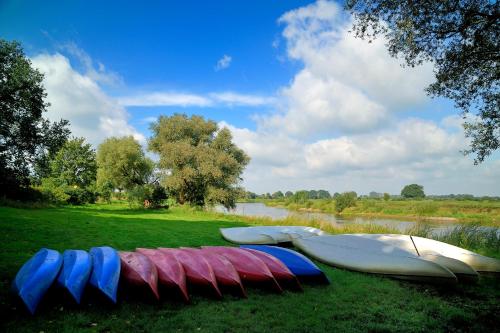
(353, 302)
(485, 212)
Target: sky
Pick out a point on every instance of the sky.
(314, 107)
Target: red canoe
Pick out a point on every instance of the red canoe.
(138, 270)
(198, 270)
(249, 267)
(170, 271)
(224, 271)
(280, 272)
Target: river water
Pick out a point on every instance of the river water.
(261, 210)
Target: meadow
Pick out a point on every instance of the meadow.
(353, 302)
(485, 212)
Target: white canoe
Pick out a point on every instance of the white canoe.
(268, 234)
(391, 256)
(407, 244)
(427, 247)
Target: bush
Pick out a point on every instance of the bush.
(147, 196)
(106, 191)
(63, 194)
(345, 200)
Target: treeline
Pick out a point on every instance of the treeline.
(40, 160)
(303, 194)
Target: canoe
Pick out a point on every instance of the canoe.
(105, 271)
(138, 270)
(75, 272)
(225, 273)
(36, 276)
(301, 266)
(198, 270)
(267, 234)
(170, 271)
(367, 255)
(280, 272)
(478, 262)
(406, 243)
(250, 268)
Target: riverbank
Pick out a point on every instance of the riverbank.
(354, 302)
(486, 213)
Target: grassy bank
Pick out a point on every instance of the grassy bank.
(353, 302)
(483, 212)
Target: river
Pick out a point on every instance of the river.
(261, 210)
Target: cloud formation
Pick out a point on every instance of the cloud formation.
(223, 63)
(79, 98)
(341, 122)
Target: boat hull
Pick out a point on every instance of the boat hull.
(75, 272)
(137, 270)
(105, 271)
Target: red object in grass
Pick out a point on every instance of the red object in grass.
(198, 270)
(170, 271)
(224, 271)
(138, 270)
(249, 267)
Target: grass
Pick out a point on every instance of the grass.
(354, 302)
(485, 212)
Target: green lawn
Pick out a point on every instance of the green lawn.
(353, 301)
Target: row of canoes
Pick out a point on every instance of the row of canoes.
(400, 256)
(212, 269)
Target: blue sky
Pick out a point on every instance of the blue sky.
(311, 105)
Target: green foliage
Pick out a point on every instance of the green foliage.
(324, 194)
(105, 190)
(387, 196)
(53, 192)
(288, 194)
(461, 40)
(300, 197)
(345, 200)
(278, 195)
(27, 140)
(200, 162)
(121, 162)
(147, 196)
(413, 191)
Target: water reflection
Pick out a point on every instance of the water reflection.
(260, 209)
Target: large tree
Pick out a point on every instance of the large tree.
(201, 162)
(75, 164)
(121, 161)
(413, 191)
(461, 38)
(27, 140)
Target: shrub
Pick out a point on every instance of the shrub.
(345, 200)
(147, 196)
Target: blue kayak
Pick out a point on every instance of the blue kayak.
(75, 273)
(297, 263)
(36, 276)
(105, 271)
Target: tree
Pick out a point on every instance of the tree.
(25, 136)
(75, 164)
(413, 191)
(345, 200)
(387, 196)
(278, 195)
(122, 162)
(313, 194)
(203, 164)
(461, 40)
(324, 194)
(288, 194)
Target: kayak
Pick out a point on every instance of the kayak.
(75, 272)
(105, 270)
(280, 272)
(250, 268)
(198, 271)
(138, 270)
(301, 266)
(225, 273)
(367, 255)
(36, 276)
(478, 262)
(268, 234)
(170, 271)
(407, 243)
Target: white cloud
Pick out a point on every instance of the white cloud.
(340, 124)
(79, 99)
(231, 98)
(223, 62)
(165, 99)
